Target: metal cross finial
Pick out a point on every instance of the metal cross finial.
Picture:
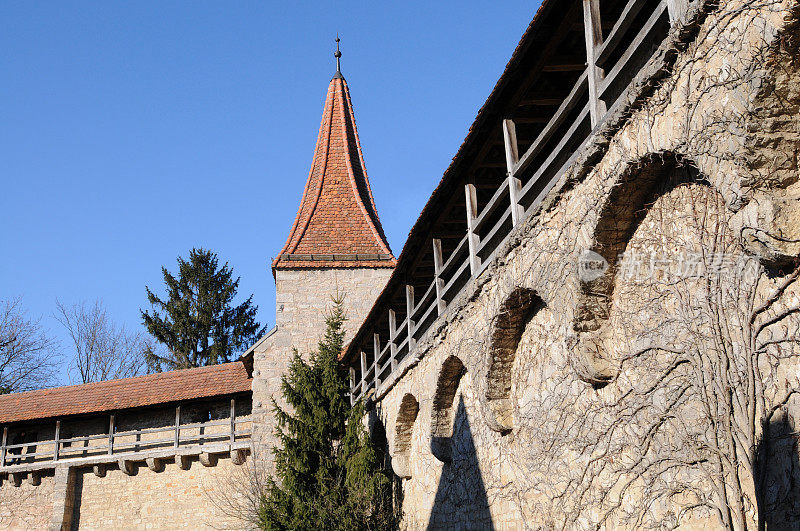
(338, 55)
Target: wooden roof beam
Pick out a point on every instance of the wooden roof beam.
(571, 18)
(544, 101)
(565, 67)
(530, 120)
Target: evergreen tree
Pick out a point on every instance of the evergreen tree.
(331, 474)
(199, 325)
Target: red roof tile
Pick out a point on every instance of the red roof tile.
(140, 391)
(337, 224)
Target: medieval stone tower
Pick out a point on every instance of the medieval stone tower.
(336, 245)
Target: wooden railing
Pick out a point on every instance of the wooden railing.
(174, 436)
(529, 177)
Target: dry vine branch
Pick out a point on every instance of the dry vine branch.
(698, 423)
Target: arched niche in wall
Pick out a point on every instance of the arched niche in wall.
(404, 429)
(442, 416)
(515, 313)
(621, 214)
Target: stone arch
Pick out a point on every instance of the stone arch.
(515, 313)
(620, 216)
(442, 415)
(404, 429)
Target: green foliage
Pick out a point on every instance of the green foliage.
(331, 473)
(199, 324)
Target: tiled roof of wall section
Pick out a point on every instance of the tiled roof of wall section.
(126, 393)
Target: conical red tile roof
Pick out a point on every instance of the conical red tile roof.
(337, 224)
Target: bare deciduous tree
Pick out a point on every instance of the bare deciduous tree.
(239, 495)
(27, 355)
(103, 350)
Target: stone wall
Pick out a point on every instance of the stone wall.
(544, 398)
(26, 506)
(170, 499)
(303, 296)
(166, 498)
(199, 498)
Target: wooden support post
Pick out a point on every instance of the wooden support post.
(110, 434)
(177, 440)
(409, 320)
(3, 447)
(510, 143)
(677, 10)
(233, 420)
(392, 336)
(472, 238)
(352, 386)
(57, 440)
(363, 372)
(441, 305)
(512, 157)
(376, 347)
(593, 33)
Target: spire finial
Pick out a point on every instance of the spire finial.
(338, 56)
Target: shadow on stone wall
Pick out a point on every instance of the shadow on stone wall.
(461, 501)
(78, 495)
(777, 469)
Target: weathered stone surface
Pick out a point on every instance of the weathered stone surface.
(63, 503)
(155, 464)
(302, 298)
(238, 457)
(127, 467)
(184, 462)
(208, 460)
(26, 506)
(170, 499)
(566, 420)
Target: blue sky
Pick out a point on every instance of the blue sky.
(131, 132)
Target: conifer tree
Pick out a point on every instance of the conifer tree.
(199, 325)
(331, 474)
